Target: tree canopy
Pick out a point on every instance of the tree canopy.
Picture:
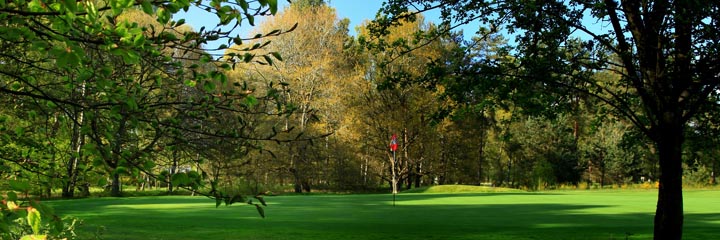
(102, 97)
(665, 53)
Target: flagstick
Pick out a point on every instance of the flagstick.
(394, 180)
(393, 148)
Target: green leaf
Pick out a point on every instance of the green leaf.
(4, 226)
(268, 59)
(209, 86)
(247, 57)
(292, 28)
(223, 79)
(102, 182)
(244, 5)
(237, 198)
(36, 6)
(19, 131)
(12, 205)
(131, 103)
(51, 104)
(277, 55)
(139, 40)
(172, 7)
(91, 10)
(194, 176)
(40, 45)
(163, 16)
(11, 196)
(273, 6)
(205, 58)
(261, 199)
(237, 41)
(34, 219)
(250, 19)
(180, 22)
(179, 179)
(20, 186)
(149, 165)
(131, 57)
(71, 5)
(34, 237)
(16, 86)
(120, 170)
(218, 201)
(147, 7)
(273, 32)
(250, 101)
(260, 210)
(60, 58)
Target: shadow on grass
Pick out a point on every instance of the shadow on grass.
(372, 217)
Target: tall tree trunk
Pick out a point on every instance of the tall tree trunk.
(115, 185)
(443, 162)
(418, 174)
(142, 184)
(510, 175)
(364, 170)
(297, 185)
(409, 180)
(115, 156)
(68, 189)
(603, 170)
(306, 185)
(713, 169)
(76, 142)
(407, 163)
(173, 170)
(669, 213)
(481, 157)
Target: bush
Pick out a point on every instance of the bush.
(31, 219)
(699, 176)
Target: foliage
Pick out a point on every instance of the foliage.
(95, 90)
(547, 149)
(664, 51)
(31, 219)
(125, 96)
(313, 78)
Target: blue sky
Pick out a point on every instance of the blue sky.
(355, 10)
(359, 10)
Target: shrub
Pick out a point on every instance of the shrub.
(30, 219)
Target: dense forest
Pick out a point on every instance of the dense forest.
(112, 97)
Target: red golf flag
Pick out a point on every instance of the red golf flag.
(393, 143)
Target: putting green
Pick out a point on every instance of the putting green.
(492, 215)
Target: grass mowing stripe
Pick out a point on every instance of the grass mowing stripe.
(484, 215)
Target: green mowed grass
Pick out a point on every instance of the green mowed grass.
(470, 215)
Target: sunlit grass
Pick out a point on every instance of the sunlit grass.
(481, 215)
(460, 189)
